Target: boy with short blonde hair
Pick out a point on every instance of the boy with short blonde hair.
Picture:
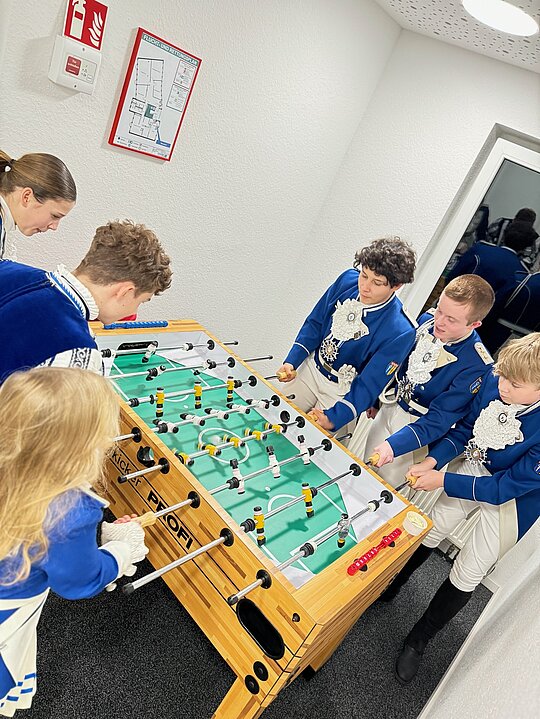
(495, 468)
(437, 382)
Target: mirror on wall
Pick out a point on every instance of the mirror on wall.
(501, 243)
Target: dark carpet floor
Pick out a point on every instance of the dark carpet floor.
(142, 656)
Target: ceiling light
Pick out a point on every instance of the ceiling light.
(502, 16)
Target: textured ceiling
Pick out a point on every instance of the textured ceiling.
(447, 20)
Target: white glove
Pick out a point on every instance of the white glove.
(129, 532)
(125, 541)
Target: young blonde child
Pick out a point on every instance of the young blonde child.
(494, 455)
(56, 427)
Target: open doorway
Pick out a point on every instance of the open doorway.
(514, 189)
(505, 177)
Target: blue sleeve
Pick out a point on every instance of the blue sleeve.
(501, 487)
(368, 385)
(466, 265)
(75, 566)
(311, 332)
(444, 411)
(453, 443)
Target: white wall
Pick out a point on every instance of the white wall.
(426, 123)
(495, 673)
(281, 90)
(314, 126)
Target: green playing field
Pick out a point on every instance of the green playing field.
(287, 530)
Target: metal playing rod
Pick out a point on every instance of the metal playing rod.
(296, 500)
(174, 507)
(162, 465)
(225, 538)
(123, 436)
(258, 359)
(132, 586)
(237, 441)
(155, 372)
(256, 473)
(310, 547)
(269, 468)
(186, 347)
(136, 401)
(234, 598)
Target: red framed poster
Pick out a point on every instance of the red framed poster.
(156, 92)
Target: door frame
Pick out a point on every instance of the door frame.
(502, 144)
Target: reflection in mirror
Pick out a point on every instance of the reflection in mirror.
(502, 245)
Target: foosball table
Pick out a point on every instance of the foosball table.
(270, 533)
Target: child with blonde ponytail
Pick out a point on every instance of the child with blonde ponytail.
(57, 424)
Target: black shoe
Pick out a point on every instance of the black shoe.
(407, 664)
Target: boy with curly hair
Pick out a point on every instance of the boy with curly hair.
(124, 267)
(355, 338)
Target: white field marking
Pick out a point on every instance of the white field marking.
(267, 551)
(183, 398)
(217, 430)
(118, 388)
(331, 501)
(278, 496)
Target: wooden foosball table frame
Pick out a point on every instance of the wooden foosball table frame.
(273, 634)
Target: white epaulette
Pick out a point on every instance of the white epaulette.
(409, 316)
(483, 353)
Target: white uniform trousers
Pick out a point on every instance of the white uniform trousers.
(483, 547)
(313, 389)
(389, 419)
(18, 647)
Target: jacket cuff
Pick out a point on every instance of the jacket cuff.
(443, 452)
(296, 355)
(340, 414)
(460, 486)
(403, 441)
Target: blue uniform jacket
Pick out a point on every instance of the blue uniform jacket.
(448, 393)
(74, 566)
(515, 469)
(491, 262)
(520, 308)
(37, 321)
(376, 356)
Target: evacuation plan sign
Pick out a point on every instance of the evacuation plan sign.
(155, 95)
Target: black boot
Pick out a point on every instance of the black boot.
(417, 559)
(446, 603)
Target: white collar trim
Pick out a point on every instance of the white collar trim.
(83, 297)
(375, 308)
(7, 217)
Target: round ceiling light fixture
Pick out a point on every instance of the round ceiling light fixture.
(502, 16)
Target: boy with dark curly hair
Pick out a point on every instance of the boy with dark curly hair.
(355, 338)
